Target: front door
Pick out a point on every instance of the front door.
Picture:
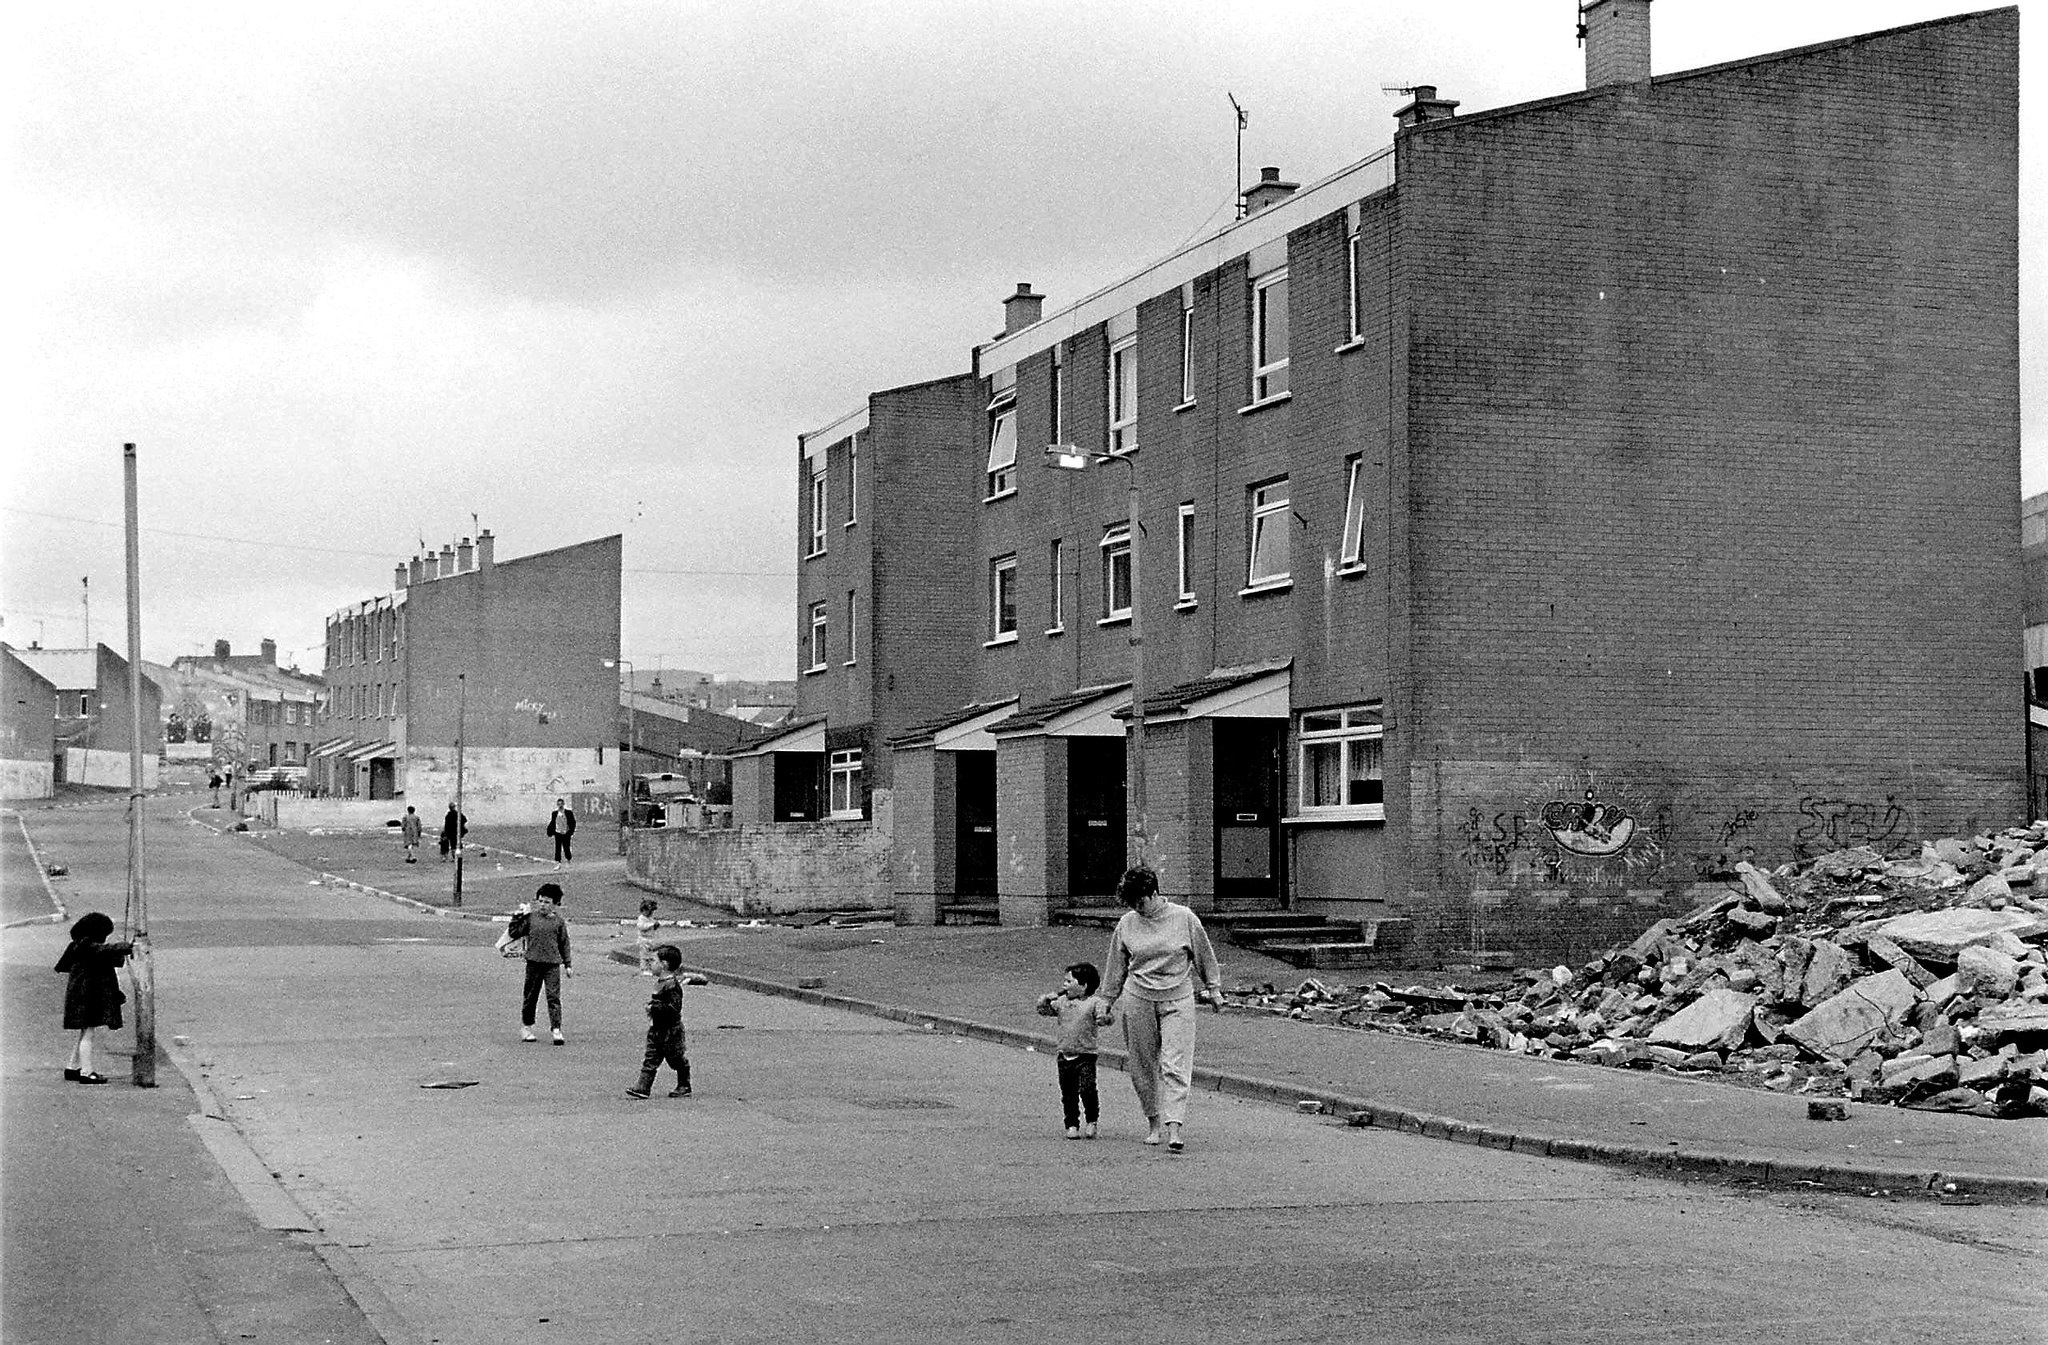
(1095, 816)
(974, 844)
(1247, 782)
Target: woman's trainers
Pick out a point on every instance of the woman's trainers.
(558, 1038)
(683, 1091)
(1073, 1132)
(526, 1034)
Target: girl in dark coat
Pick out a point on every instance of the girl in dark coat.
(93, 998)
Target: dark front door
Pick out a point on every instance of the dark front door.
(799, 786)
(1247, 783)
(974, 846)
(383, 778)
(1095, 815)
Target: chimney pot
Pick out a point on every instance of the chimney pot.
(486, 545)
(1267, 192)
(1616, 34)
(269, 648)
(398, 576)
(465, 557)
(447, 560)
(1425, 106)
(1022, 309)
(220, 649)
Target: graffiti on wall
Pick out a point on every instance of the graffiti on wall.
(1835, 824)
(1578, 827)
(1737, 846)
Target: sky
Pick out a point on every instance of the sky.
(361, 276)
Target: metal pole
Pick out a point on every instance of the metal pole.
(461, 733)
(141, 967)
(1139, 823)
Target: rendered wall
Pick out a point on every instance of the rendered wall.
(501, 784)
(770, 869)
(26, 779)
(106, 770)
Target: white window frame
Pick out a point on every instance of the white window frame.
(1116, 541)
(852, 482)
(842, 799)
(819, 484)
(1185, 536)
(1056, 575)
(1351, 552)
(1058, 398)
(1002, 582)
(1267, 510)
(1122, 395)
(852, 628)
(1349, 732)
(1187, 355)
(1002, 448)
(1269, 370)
(819, 635)
(1351, 328)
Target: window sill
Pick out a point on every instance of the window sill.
(1008, 637)
(843, 817)
(1363, 812)
(1187, 405)
(815, 669)
(1280, 585)
(813, 555)
(1186, 605)
(849, 523)
(1355, 343)
(1055, 630)
(850, 663)
(1265, 402)
(1353, 569)
(999, 495)
(1122, 619)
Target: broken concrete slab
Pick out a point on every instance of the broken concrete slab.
(1986, 972)
(2006, 1022)
(1828, 969)
(1941, 935)
(1718, 1019)
(1759, 888)
(1846, 1023)
(1889, 953)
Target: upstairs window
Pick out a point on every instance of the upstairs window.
(852, 482)
(1123, 395)
(1269, 336)
(1270, 535)
(852, 611)
(816, 661)
(1352, 328)
(1002, 448)
(844, 800)
(818, 481)
(1187, 354)
(1057, 397)
(1186, 538)
(1056, 576)
(1116, 573)
(1353, 547)
(1002, 599)
(1341, 762)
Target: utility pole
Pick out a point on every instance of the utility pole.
(85, 600)
(461, 732)
(141, 966)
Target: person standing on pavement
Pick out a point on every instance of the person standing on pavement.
(665, 1045)
(92, 998)
(547, 960)
(453, 826)
(409, 829)
(562, 826)
(1160, 963)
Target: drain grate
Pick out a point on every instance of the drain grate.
(902, 1104)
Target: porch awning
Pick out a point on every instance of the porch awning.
(1087, 713)
(331, 748)
(374, 751)
(1258, 691)
(806, 737)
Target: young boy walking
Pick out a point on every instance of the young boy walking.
(1078, 1008)
(409, 828)
(665, 1027)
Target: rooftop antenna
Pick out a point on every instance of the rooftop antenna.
(1243, 119)
(85, 600)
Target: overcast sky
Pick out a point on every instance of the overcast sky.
(350, 274)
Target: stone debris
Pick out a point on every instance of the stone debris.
(1919, 982)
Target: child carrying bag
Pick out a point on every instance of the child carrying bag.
(512, 943)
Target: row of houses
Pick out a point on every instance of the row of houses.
(1503, 534)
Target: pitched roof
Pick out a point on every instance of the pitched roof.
(918, 735)
(1039, 715)
(1174, 699)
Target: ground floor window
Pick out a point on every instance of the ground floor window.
(845, 784)
(1340, 762)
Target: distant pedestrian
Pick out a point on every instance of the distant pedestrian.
(547, 960)
(1079, 1012)
(665, 1038)
(409, 829)
(643, 932)
(213, 783)
(562, 826)
(453, 828)
(93, 998)
(1157, 957)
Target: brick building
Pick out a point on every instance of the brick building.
(518, 655)
(255, 716)
(93, 723)
(1536, 517)
(28, 730)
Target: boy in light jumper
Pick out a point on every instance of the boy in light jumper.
(1078, 1010)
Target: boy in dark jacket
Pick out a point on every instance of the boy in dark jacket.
(665, 1027)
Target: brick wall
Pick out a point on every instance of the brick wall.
(1710, 472)
(772, 869)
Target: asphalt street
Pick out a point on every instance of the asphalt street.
(843, 1178)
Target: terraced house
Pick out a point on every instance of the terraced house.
(1550, 510)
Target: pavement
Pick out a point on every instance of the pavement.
(982, 982)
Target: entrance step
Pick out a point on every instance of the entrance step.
(1308, 941)
(970, 913)
(1094, 917)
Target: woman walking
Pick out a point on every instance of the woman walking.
(1160, 963)
(92, 998)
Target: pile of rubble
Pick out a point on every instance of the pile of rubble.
(1921, 982)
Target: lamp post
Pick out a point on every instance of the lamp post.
(1068, 459)
(632, 738)
(461, 734)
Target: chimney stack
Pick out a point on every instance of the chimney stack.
(1616, 34)
(447, 560)
(465, 557)
(399, 576)
(1267, 192)
(1021, 309)
(269, 648)
(1426, 107)
(486, 545)
(220, 649)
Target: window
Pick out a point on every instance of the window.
(852, 610)
(1123, 395)
(1353, 549)
(817, 651)
(1270, 535)
(1002, 599)
(1186, 592)
(1116, 572)
(1340, 762)
(845, 793)
(1056, 576)
(85, 703)
(1351, 286)
(1269, 336)
(1058, 399)
(1002, 449)
(852, 482)
(291, 714)
(818, 507)
(1187, 353)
